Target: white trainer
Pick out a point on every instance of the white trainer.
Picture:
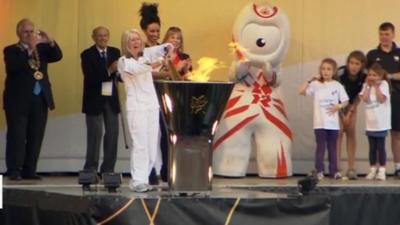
(372, 173)
(381, 175)
(320, 175)
(337, 176)
(140, 188)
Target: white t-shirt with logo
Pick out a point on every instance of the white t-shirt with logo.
(326, 94)
(377, 115)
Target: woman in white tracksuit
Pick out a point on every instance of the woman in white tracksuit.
(135, 67)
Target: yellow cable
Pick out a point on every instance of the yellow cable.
(146, 209)
(119, 211)
(228, 219)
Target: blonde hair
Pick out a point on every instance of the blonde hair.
(126, 36)
(171, 31)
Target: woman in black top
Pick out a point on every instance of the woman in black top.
(151, 24)
(352, 77)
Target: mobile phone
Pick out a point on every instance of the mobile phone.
(39, 35)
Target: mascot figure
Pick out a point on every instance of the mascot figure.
(261, 36)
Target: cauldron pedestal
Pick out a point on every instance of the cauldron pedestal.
(191, 111)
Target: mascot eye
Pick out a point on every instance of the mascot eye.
(260, 42)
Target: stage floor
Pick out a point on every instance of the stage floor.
(250, 200)
(248, 187)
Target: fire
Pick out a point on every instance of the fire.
(238, 50)
(205, 66)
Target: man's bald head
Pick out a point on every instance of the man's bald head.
(25, 30)
(100, 36)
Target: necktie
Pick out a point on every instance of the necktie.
(37, 89)
(104, 57)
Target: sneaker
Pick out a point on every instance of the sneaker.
(15, 176)
(372, 174)
(140, 188)
(351, 174)
(320, 175)
(33, 176)
(337, 176)
(397, 174)
(153, 178)
(381, 175)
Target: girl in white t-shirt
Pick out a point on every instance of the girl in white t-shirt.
(329, 97)
(376, 95)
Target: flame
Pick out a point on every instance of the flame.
(238, 50)
(206, 66)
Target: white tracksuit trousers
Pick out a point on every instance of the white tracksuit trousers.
(144, 129)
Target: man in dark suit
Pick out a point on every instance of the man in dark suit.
(27, 98)
(100, 100)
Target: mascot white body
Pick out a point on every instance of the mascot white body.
(261, 36)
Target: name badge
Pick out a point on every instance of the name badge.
(106, 88)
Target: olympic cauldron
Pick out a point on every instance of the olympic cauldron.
(191, 111)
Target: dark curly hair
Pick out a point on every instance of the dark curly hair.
(149, 14)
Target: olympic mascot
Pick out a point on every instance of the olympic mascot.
(255, 110)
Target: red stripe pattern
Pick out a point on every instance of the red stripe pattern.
(278, 123)
(234, 130)
(282, 165)
(236, 111)
(281, 110)
(232, 102)
(261, 96)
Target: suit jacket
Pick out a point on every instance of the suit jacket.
(95, 72)
(19, 82)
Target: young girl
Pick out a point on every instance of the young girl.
(352, 77)
(142, 105)
(329, 97)
(376, 95)
(181, 60)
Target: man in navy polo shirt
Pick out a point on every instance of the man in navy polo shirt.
(388, 56)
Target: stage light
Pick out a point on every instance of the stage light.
(307, 184)
(112, 181)
(87, 178)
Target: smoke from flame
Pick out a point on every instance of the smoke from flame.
(205, 66)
